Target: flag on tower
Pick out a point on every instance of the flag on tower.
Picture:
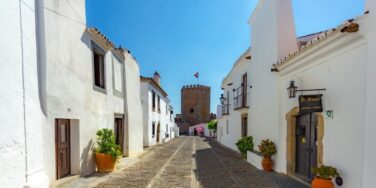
(196, 74)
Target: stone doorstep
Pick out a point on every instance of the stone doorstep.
(96, 178)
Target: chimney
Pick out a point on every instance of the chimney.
(272, 26)
(157, 78)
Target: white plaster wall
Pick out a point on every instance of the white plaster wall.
(20, 113)
(133, 106)
(70, 93)
(146, 107)
(342, 73)
(273, 36)
(369, 165)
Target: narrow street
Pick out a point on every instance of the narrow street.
(195, 162)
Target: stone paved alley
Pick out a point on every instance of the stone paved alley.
(195, 162)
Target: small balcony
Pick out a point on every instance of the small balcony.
(225, 109)
(240, 99)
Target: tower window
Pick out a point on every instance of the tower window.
(191, 110)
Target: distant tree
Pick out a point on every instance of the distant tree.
(212, 126)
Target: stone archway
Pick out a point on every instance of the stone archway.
(291, 142)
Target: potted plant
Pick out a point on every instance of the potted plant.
(267, 149)
(324, 175)
(245, 144)
(107, 152)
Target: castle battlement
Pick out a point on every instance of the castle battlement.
(196, 86)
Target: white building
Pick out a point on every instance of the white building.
(341, 61)
(159, 125)
(61, 82)
(233, 114)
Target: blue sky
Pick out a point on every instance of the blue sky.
(180, 37)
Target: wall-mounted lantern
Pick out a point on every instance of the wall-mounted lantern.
(223, 99)
(292, 90)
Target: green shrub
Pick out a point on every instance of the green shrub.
(325, 172)
(245, 144)
(212, 125)
(267, 148)
(106, 143)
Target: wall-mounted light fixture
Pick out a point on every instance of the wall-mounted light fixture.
(292, 90)
(223, 99)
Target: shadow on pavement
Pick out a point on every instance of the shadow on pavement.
(218, 166)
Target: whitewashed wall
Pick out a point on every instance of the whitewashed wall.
(20, 111)
(273, 37)
(133, 107)
(343, 75)
(70, 92)
(369, 163)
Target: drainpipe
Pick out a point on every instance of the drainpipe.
(23, 91)
(41, 53)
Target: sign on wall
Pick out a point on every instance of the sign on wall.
(310, 103)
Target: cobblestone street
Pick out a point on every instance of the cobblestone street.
(195, 162)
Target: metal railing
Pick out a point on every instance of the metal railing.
(225, 109)
(240, 98)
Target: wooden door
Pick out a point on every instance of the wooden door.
(306, 149)
(158, 131)
(62, 143)
(119, 132)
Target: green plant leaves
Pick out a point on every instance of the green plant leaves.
(106, 144)
(267, 148)
(245, 144)
(325, 172)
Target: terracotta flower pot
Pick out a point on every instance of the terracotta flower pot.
(105, 163)
(322, 183)
(267, 164)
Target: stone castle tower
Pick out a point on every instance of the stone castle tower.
(195, 104)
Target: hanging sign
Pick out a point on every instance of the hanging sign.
(310, 103)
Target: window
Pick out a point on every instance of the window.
(191, 110)
(153, 129)
(117, 76)
(153, 100)
(167, 128)
(227, 131)
(166, 110)
(99, 66)
(244, 125)
(159, 104)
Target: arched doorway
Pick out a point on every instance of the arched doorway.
(304, 142)
(158, 131)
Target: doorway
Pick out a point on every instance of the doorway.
(306, 145)
(62, 145)
(158, 131)
(244, 123)
(119, 132)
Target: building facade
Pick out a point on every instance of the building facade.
(195, 104)
(233, 112)
(72, 82)
(159, 125)
(328, 119)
